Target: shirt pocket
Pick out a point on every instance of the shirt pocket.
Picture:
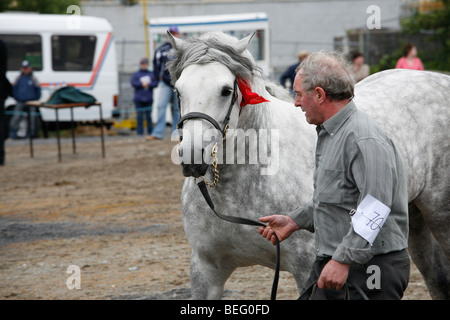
(329, 186)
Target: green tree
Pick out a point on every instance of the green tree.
(39, 6)
(5, 4)
(436, 23)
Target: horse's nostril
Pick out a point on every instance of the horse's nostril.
(180, 151)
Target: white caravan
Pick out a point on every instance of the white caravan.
(64, 50)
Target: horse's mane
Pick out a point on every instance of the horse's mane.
(212, 47)
(218, 47)
(279, 92)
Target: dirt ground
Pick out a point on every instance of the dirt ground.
(118, 219)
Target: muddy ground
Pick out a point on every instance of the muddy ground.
(118, 219)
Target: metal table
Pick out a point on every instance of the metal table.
(56, 107)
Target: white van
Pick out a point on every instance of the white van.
(64, 50)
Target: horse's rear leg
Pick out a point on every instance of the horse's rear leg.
(207, 278)
(428, 256)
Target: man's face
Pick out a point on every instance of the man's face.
(307, 101)
(26, 70)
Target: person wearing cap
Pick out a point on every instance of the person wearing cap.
(289, 74)
(143, 82)
(166, 90)
(358, 171)
(26, 87)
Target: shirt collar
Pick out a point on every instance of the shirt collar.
(332, 125)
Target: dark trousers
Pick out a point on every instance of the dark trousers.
(384, 277)
(143, 109)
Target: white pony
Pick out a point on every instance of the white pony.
(265, 165)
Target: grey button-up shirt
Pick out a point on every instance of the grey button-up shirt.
(354, 157)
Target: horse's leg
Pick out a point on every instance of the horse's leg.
(207, 277)
(301, 276)
(428, 255)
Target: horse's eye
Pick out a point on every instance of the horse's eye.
(226, 91)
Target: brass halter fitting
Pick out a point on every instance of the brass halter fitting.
(214, 163)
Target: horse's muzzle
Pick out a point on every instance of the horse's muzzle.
(194, 170)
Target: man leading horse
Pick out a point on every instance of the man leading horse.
(356, 163)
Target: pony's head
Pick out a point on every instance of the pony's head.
(212, 75)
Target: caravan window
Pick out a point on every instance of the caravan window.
(73, 53)
(23, 47)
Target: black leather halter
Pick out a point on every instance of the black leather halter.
(204, 116)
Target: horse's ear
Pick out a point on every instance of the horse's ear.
(177, 43)
(243, 44)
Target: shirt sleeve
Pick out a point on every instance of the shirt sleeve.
(304, 216)
(374, 172)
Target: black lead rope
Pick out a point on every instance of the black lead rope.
(203, 189)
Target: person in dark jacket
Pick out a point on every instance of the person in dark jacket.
(5, 91)
(143, 82)
(166, 92)
(25, 88)
(290, 73)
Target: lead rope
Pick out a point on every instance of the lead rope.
(204, 190)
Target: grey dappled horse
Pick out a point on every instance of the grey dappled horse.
(265, 164)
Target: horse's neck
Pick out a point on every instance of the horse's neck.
(283, 137)
(256, 116)
(281, 178)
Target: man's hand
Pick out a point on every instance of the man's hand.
(284, 226)
(333, 275)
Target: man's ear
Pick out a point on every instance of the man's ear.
(320, 94)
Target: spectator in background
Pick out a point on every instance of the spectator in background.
(143, 82)
(25, 88)
(166, 90)
(290, 73)
(360, 69)
(409, 59)
(5, 91)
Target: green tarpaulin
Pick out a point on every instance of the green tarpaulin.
(70, 94)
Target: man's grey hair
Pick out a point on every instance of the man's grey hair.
(331, 72)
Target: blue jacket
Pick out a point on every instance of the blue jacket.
(289, 74)
(142, 94)
(26, 88)
(159, 63)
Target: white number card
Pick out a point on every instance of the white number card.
(369, 218)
